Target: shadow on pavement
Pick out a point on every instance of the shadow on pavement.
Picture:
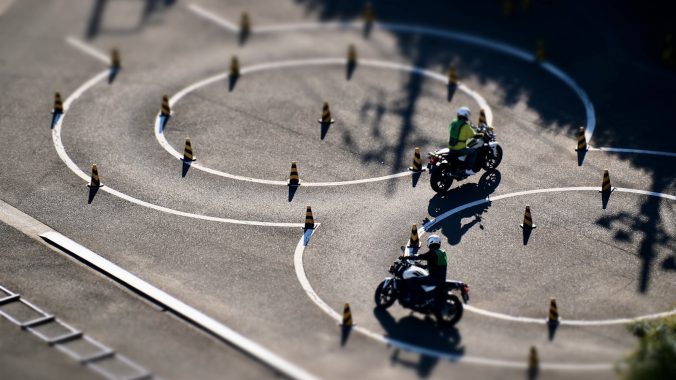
(95, 25)
(92, 193)
(421, 332)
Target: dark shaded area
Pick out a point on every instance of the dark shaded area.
(113, 74)
(243, 37)
(580, 156)
(423, 332)
(526, 234)
(532, 373)
(344, 334)
(414, 178)
(349, 69)
(232, 81)
(452, 226)
(92, 193)
(366, 32)
(451, 89)
(185, 166)
(292, 192)
(551, 329)
(56, 116)
(324, 129)
(163, 122)
(95, 24)
(605, 197)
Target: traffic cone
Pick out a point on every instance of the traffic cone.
(540, 51)
(414, 241)
(166, 108)
(605, 185)
(95, 181)
(326, 115)
(482, 117)
(553, 317)
(351, 55)
(187, 151)
(533, 361)
(452, 76)
(294, 179)
(527, 219)
(417, 161)
(581, 140)
(347, 316)
(368, 14)
(245, 24)
(234, 66)
(309, 219)
(58, 104)
(115, 60)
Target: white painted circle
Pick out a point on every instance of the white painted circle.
(159, 131)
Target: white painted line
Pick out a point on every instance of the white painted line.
(335, 315)
(446, 34)
(88, 49)
(61, 151)
(177, 306)
(211, 16)
(159, 131)
(636, 151)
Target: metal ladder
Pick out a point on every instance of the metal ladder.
(69, 340)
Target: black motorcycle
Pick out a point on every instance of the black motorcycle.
(438, 300)
(444, 166)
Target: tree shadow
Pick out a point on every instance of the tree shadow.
(97, 18)
(423, 332)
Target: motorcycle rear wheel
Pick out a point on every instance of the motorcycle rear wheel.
(385, 296)
(438, 182)
(493, 160)
(450, 312)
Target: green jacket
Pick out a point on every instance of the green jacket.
(460, 134)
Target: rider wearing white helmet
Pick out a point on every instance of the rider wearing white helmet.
(461, 133)
(437, 261)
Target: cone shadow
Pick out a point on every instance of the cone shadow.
(185, 167)
(344, 334)
(451, 91)
(324, 130)
(580, 156)
(163, 122)
(526, 234)
(55, 119)
(605, 197)
(366, 32)
(92, 193)
(349, 70)
(532, 373)
(292, 192)
(307, 234)
(551, 329)
(232, 81)
(112, 75)
(415, 177)
(243, 37)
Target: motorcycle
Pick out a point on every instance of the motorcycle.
(438, 300)
(445, 167)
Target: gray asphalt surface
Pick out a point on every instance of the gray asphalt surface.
(616, 262)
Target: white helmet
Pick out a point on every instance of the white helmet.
(464, 112)
(433, 239)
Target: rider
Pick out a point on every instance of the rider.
(436, 263)
(461, 136)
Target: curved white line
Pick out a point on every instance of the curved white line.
(159, 131)
(637, 151)
(307, 287)
(61, 151)
(89, 50)
(457, 36)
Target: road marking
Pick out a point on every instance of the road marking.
(211, 16)
(177, 306)
(307, 287)
(89, 50)
(446, 34)
(159, 131)
(637, 151)
(61, 151)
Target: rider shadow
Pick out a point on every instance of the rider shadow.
(421, 332)
(451, 91)
(349, 70)
(452, 226)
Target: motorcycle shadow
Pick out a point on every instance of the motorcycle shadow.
(424, 332)
(452, 226)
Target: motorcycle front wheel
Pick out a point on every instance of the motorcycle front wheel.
(450, 311)
(439, 183)
(385, 295)
(493, 159)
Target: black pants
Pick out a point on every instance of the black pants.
(418, 282)
(471, 156)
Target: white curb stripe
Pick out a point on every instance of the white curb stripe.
(200, 11)
(89, 50)
(159, 132)
(177, 306)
